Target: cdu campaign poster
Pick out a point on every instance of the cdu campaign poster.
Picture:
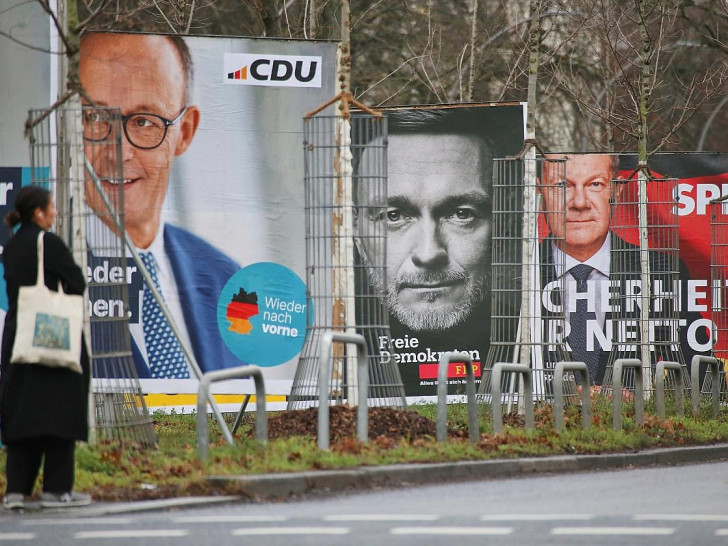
(213, 196)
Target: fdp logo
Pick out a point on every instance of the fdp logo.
(272, 70)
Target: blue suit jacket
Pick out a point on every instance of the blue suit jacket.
(200, 271)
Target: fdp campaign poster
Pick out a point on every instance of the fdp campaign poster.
(437, 217)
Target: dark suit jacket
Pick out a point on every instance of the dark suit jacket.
(36, 400)
(624, 266)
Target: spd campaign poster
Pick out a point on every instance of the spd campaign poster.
(213, 197)
(592, 273)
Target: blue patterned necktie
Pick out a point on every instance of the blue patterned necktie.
(578, 321)
(164, 352)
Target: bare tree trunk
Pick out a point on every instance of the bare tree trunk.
(528, 309)
(645, 86)
(473, 30)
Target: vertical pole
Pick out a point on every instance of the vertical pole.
(343, 313)
(644, 285)
(529, 194)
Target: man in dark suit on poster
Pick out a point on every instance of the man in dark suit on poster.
(600, 272)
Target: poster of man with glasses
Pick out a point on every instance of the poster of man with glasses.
(211, 170)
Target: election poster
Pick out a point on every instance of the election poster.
(593, 274)
(25, 38)
(437, 221)
(213, 197)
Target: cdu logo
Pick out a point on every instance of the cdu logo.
(272, 70)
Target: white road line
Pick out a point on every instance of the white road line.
(17, 536)
(291, 531)
(79, 521)
(645, 531)
(680, 517)
(536, 517)
(381, 517)
(721, 532)
(451, 530)
(229, 519)
(133, 533)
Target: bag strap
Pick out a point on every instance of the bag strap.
(41, 277)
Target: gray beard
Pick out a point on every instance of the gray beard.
(435, 317)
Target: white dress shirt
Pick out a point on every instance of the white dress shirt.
(598, 279)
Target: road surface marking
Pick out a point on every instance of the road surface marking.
(647, 531)
(229, 519)
(451, 530)
(79, 521)
(291, 531)
(17, 536)
(535, 517)
(133, 533)
(721, 532)
(680, 517)
(381, 517)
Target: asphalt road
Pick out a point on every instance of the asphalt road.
(683, 505)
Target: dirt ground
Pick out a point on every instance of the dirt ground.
(389, 423)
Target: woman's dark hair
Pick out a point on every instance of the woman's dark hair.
(28, 199)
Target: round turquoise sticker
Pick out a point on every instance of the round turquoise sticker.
(261, 314)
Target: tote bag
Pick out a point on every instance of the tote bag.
(49, 324)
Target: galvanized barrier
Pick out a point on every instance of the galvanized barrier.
(496, 393)
(660, 387)
(639, 401)
(558, 383)
(203, 393)
(362, 415)
(445, 359)
(714, 370)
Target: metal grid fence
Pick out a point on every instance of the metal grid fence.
(719, 287)
(528, 320)
(645, 285)
(63, 160)
(345, 187)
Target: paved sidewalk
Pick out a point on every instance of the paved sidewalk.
(282, 486)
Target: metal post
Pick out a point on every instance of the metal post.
(660, 387)
(558, 384)
(639, 399)
(473, 429)
(362, 414)
(525, 372)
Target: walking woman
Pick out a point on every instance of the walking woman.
(43, 410)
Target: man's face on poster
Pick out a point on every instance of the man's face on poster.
(437, 222)
(578, 209)
(137, 74)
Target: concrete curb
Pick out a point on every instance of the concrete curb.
(266, 487)
(281, 486)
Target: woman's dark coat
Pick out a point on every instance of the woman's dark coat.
(36, 400)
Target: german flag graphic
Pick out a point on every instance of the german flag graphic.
(240, 309)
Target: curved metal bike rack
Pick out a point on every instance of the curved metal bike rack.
(473, 429)
(497, 411)
(362, 415)
(203, 394)
(660, 387)
(558, 383)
